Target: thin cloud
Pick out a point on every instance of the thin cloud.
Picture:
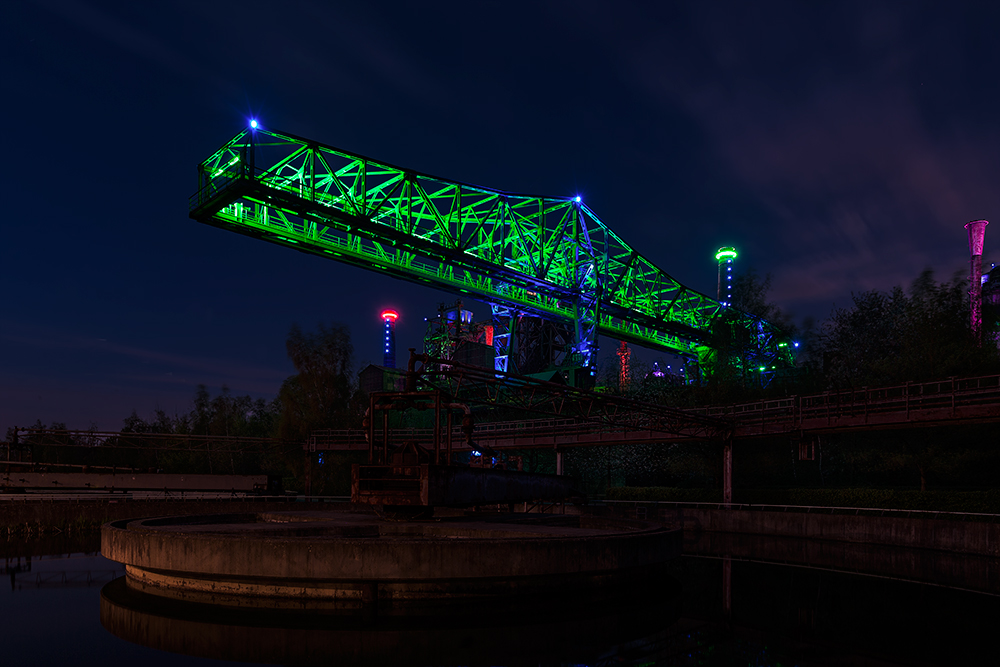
(860, 188)
(229, 371)
(134, 40)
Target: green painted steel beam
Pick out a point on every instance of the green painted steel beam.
(548, 256)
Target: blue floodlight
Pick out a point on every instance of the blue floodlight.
(577, 200)
(253, 123)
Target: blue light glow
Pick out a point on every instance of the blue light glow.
(253, 123)
(577, 200)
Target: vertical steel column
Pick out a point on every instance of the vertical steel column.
(727, 588)
(371, 430)
(727, 472)
(308, 474)
(559, 462)
(385, 437)
(503, 324)
(448, 460)
(437, 428)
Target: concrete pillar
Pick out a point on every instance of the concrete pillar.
(727, 588)
(727, 472)
(559, 462)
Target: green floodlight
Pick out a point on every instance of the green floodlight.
(725, 253)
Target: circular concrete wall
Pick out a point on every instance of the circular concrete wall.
(352, 560)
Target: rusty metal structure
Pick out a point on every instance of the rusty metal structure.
(404, 479)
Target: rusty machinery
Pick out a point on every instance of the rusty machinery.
(405, 480)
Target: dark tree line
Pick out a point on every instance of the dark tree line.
(898, 336)
(882, 338)
(322, 394)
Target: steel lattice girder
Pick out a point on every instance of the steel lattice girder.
(547, 256)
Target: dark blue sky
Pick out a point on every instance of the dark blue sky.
(839, 146)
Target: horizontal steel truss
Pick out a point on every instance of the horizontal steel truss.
(546, 256)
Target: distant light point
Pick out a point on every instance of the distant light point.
(577, 200)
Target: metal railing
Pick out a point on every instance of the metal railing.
(905, 402)
(142, 497)
(954, 398)
(656, 505)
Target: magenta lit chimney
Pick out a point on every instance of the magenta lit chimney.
(977, 231)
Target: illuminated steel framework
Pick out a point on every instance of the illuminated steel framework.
(548, 257)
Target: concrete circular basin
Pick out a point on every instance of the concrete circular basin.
(341, 560)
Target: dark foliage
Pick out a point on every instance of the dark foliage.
(893, 337)
(323, 393)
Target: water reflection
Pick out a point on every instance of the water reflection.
(45, 564)
(632, 630)
(795, 609)
(798, 612)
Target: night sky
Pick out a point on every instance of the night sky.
(839, 146)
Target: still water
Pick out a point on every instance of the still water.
(63, 604)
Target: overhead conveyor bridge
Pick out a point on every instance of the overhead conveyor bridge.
(548, 257)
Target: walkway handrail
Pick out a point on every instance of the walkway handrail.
(160, 496)
(682, 504)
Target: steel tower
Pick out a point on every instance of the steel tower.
(725, 257)
(389, 318)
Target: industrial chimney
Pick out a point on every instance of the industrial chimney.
(389, 344)
(977, 230)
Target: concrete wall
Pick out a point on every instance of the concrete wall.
(972, 537)
(944, 568)
(46, 516)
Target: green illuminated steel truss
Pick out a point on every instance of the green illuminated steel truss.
(545, 256)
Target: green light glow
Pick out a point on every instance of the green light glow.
(546, 256)
(728, 251)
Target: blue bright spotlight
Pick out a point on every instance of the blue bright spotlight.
(253, 123)
(795, 344)
(577, 200)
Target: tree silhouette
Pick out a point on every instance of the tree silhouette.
(322, 394)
